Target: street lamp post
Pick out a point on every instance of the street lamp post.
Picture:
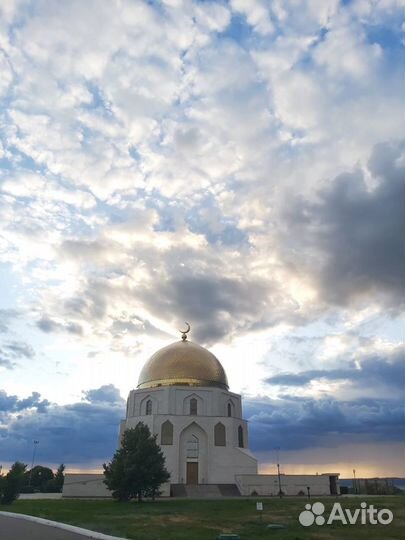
(354, 481)
(280, 492)
(34, 451)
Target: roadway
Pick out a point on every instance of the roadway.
(12, 528)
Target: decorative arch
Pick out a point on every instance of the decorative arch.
(241, 437)
(219, 434)
(230, 408)
(148, 406)
(193, 405)
(166, 435)
(193, 447)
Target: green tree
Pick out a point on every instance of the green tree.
(11, 484)
(60, 476)
(38, 477)
(138, 467)
(56, 484)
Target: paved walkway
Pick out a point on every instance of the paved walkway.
(14, 528)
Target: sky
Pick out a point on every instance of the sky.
(235, 164)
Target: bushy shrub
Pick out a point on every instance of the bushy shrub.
(52, 486)
(12, 483)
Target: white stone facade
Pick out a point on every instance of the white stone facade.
(200, 430)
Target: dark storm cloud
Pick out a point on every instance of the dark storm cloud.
(352, 238)
(216, 305)
(369, 370)
(296, 423)
(10, 403)
(87, 431)
(74, 433)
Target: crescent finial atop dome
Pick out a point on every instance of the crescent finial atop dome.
(185, 332)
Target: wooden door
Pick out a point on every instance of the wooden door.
(192, 472)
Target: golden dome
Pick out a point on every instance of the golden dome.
(184, 363)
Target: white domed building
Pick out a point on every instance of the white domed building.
(184, 398)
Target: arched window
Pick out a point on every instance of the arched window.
(149, 406)
(219, 435)
(192, 447)
(229, 409)
(166, 435)
(240, 437)
(193, 406)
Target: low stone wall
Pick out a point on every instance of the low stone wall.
(291, 484)
(39, 496)
(92, 486)
(85, 485)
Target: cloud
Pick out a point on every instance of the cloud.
(6, 363)
(20, 349)
(11, 403)
(86, 432)
(349, 241)
(256, 13)
(139, 125)
(299, 423)
(365, 370)
(79, 433)
(105, 394)
(11, 351)
(48, 325)
(218, 305)
(6, 317)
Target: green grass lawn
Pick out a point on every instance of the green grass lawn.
(204, 519)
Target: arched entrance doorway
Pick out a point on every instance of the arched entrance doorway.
(193, 455)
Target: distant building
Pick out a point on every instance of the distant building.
(373, 486)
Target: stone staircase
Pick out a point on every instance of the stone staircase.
(204, 491)
(229, 490)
